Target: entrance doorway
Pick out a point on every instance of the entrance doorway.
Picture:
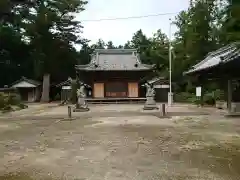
(116, 89)
(24, 93)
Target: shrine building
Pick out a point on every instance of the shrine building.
(114, 73)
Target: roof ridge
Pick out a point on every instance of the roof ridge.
(222, 55)
(234, 54)
(115, 59)
(117, 49)
(221, 50)
(109, 51)
(23, 78)
(215, 53)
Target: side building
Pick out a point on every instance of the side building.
(28, 89)
(114, 73)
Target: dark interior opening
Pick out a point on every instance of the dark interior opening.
(116, 89)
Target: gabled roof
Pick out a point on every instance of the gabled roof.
(215, 58)
(68, 83)
(156, 81)
(115, 60)
(65, 83)
(25, 82)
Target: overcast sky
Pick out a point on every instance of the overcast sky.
(119, 31)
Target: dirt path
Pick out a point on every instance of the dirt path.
(120, 145)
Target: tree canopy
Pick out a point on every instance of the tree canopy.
(40, 36)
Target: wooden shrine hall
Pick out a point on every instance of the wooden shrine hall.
(222, 66)
(114, 74)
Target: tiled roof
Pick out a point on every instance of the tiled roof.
(220, 56)
(156, 80)
(31, 81)
(68, 82)
(116, 60)
(115, 51)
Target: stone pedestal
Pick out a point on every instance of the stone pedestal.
(150, 104)
(81, 105)
(81, 109)
(221, 104)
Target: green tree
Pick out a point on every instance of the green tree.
(196, 36)
(142, 44)
(159, 49)
(110, 45)
(84, 56)
(120, 47)
(199, 41)
(51, 26)
(100, 44)
(127, 45)
(14, 52)
(230, 22)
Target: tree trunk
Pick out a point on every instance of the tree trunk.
(74, 92)
(45, 88)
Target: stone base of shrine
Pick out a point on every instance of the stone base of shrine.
(150, 104)
(81, 109)
(221, 104)
(150, 108)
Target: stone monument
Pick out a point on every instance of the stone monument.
(150, 104)
(81, 105)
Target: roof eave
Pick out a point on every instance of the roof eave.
(194, 71)
(145, 67)
(114, 70)
(114, 50)
(149, 66)
(234, 54)
(63, 83)
(33, 82)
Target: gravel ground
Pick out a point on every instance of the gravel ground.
(119, 145)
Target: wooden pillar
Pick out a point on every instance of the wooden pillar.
(229, 98)
(201, 82)
(34, 95)
(201, 97)
(77, 75)
(62, 96)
